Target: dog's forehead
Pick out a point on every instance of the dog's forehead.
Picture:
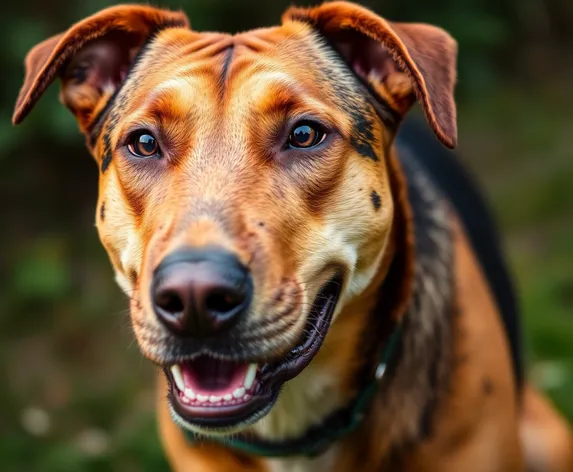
(201, 79)
(292, 55)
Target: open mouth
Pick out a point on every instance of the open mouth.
(211, 392)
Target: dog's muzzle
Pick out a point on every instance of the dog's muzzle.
(202, 296)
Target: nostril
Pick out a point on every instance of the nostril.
(223, 302)
(170, 302)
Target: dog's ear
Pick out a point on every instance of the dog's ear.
(400, 61)
(92, 58)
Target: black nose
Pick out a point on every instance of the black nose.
(200, 293)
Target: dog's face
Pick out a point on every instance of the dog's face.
(244, 191)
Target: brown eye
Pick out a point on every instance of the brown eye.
(143, 144)
(305, 135)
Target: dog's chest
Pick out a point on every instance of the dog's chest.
(325, 462)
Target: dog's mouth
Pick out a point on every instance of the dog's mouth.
(218, 393)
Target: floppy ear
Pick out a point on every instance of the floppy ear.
(92, 58)
(400, 61)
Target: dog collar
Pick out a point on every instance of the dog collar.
(317, 438)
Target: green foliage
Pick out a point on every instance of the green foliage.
(41, 271)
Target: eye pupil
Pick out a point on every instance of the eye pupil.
(147, 143)
(305, 136)
(144, 145)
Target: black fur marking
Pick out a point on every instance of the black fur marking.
(426, 422)
(364, 149)
(106, 160)
(363, 136)
(102, 212)
(227, 63)
(375, 199)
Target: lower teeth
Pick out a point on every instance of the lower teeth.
(240, 395)
(214, 400)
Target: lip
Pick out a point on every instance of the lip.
(262, 392)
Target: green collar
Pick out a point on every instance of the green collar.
(318, 438)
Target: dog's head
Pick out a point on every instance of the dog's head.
(244, 190)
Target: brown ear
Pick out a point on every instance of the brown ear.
(92, 58)
(401, 61)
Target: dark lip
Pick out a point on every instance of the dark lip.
(271, 376)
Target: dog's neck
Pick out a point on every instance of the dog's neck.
(330, 382)
(402, 413)
(413, 285)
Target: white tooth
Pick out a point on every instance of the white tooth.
(239, 392)
(250, 377)
(178, 377)
(246, 397)
(190, 394)
(214, 399)
(202, 398)
(228, 397)
(185, 399)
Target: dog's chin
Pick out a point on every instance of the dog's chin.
(211, 394)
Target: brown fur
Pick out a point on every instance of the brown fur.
(220, 107)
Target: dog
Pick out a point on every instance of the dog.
(318, 290)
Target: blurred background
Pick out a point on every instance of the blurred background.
(77, 394)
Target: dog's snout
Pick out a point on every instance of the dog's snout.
(201, 292)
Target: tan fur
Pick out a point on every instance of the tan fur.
(221, 106)
(546, 437)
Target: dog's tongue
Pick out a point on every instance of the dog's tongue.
(212, 376)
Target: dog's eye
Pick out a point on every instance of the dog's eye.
(305, 135)
(143, 144)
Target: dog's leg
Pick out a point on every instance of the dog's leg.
(548, 442)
